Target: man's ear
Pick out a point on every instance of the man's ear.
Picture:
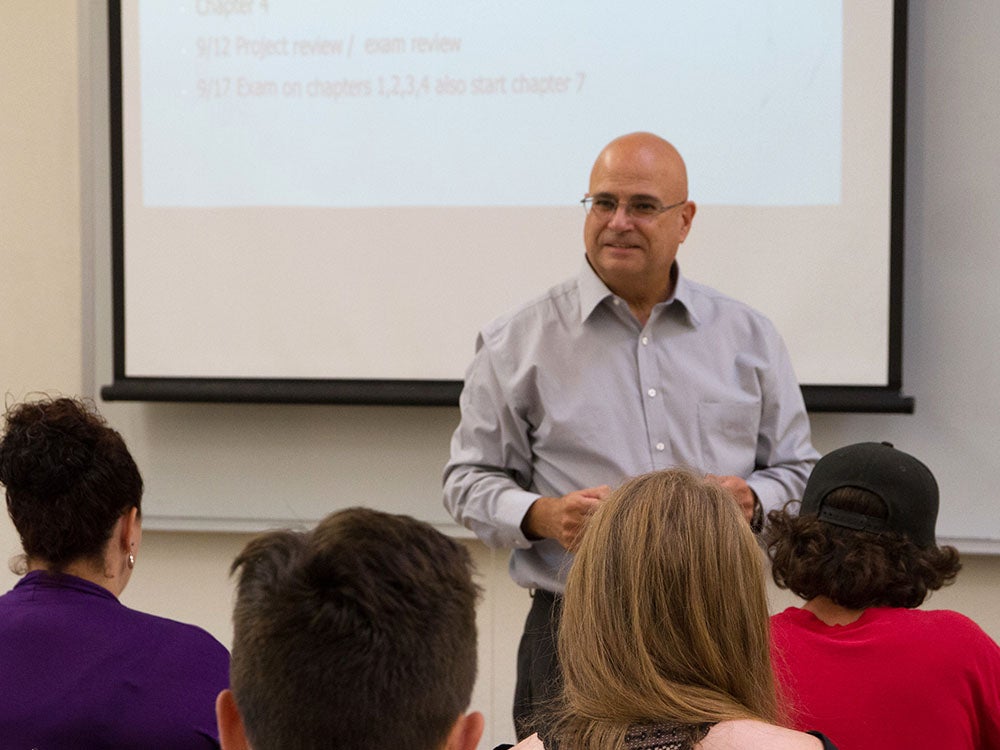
(232, 734)
(466, 732)
(687, 214)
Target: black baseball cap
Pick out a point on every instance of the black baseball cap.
(904, 484)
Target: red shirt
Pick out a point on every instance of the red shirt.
(895, 678)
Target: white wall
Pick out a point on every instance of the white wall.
(40, 282)
(51, 330)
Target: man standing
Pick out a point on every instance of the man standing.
(627, 368)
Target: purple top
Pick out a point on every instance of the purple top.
(78, 669)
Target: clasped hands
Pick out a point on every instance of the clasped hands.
(565, 518)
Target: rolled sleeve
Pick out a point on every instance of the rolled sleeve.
(785, 455)
(490, 467)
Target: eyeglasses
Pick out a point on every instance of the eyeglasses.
(637, 208)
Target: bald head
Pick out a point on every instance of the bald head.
(646, 154)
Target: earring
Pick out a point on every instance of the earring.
(131, 560)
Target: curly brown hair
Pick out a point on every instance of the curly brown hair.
(69, 478)
(855, 569)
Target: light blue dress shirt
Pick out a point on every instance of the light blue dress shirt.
(569, 391)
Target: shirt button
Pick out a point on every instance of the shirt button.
(616, 301)
(660, 446)
(651, 392)
(645, 340)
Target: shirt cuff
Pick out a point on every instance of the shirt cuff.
(516, 504)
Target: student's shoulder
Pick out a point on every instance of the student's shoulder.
(531, 743)
(946, 625)
(747, 734)
(173, 636)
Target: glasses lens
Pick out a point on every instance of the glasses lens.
(600, 206)
(644, 209)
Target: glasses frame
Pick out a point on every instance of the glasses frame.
(588, 206)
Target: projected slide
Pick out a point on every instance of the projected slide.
(326, 191)
(296, 103)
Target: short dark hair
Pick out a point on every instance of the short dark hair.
(854, 568)
(68, 477)
(360, 633)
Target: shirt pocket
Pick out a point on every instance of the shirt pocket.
(728, 432)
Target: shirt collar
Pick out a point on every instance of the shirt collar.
(593, 292)
(684, 294)
(43, 579)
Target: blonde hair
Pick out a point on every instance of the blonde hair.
(665, 615)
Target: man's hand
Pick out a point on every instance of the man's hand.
(740, 490)
(563, 518)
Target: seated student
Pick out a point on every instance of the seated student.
(664, 635)
(358, 634)
(78, 669)
(857, 659)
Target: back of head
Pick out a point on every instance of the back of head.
(865, 532)
(68, 478)
(360, 633)
(906, 487)
(665, 597)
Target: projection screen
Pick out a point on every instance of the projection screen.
(324, 202)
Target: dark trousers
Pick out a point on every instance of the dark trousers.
(538, 674)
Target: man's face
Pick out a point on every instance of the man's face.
(630, 252)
